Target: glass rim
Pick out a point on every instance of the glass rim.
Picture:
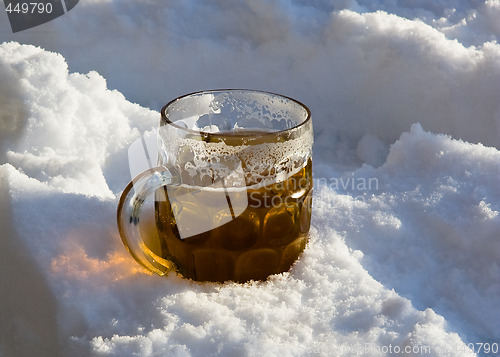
(166, 120)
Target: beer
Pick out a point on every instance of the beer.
(266, 238)
(232, 187)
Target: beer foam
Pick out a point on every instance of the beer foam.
(259, 164)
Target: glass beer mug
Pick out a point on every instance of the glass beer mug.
(232, 188)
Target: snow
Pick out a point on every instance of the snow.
(404, 252)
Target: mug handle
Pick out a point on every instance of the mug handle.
(129, 210)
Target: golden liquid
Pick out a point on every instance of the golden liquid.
(267, 238)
